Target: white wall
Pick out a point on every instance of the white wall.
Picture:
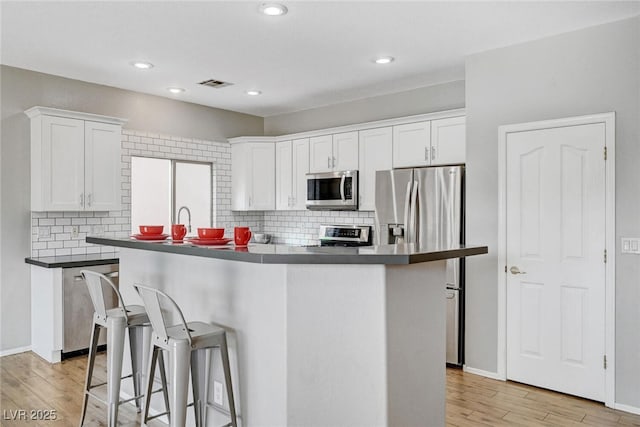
(440, 97)
(22, 89)
(588, 71)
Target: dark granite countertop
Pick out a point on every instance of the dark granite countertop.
(284, 254)
(70, 261)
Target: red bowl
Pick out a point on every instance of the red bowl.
(211, 233)
(152, 230)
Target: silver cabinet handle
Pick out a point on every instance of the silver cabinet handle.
(334, 162)
(426, 153)
(89, 199)
(250, 201)
(113, 274)
(516, 270)
(78, 278)
(329, 162)
(82, 199)
(433, 152)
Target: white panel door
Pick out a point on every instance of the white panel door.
(300, 168)
(345, 151)
(283, 175)
(375, 154)
(262, 169)
(411, 145)
(102, 166)
(448, 144)
(321, 154)
(556, 240)
(62, 164)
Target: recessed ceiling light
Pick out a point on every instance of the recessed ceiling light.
(142, 65)
(175, 90)
(254, 92)
(273, 9)
(384, 60)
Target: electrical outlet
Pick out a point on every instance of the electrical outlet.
(44, 232)
(74, 232)
(217, 393)
(630, 245)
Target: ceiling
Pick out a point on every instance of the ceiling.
(320, 53)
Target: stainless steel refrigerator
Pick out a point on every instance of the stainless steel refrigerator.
(425, 206)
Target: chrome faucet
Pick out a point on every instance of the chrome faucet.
(188, 213)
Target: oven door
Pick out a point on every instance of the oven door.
(332, 191)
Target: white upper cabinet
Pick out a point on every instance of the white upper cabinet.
(75, 161)
(448, 141)
(429, 143)
(253, 176)
(300, 168)
(412, 145)
(333, 152)
(284, 175)
(375, 151)
(345, 151)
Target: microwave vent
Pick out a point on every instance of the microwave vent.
(216, 84)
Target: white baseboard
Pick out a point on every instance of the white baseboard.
(488, 374)
(626, 408)
(16, 350)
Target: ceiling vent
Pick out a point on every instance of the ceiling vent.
(217, 84)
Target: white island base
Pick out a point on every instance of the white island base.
(316, 345)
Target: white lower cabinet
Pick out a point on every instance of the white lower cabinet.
(292, 164)
(75, 161)
(375, 153)
(253, 176)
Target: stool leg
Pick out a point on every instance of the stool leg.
(163, 379)
(199, 375)
(116, 327)
(226, 366)
(136, 345)
(93, 345)
(150, 375)
(179, 360)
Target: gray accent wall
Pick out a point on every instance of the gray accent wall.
(22, 89)
(440, 97)
(588, 71)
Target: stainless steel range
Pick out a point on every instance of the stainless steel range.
(345, 235)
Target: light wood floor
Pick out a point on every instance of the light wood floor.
(29, 383)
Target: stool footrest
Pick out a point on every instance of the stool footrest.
(157, 416)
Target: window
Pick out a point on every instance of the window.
(160, 187)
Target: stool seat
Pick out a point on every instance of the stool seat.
(136, 314)
(203, 334)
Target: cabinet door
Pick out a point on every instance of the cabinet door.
(411, 144)
(240, 185)
(321, 154)
(283, 175)
(300, 168)
(62, 164)
(375, 154)
(102, 166)
(345, 151)
(262, 169)
(448, 141)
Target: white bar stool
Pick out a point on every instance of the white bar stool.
(116, 321)
(187, 344)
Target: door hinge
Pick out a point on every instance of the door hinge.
(604, 361)
(605, 256)
(605, 153)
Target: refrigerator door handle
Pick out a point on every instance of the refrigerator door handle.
(407, 202)
(413, 213)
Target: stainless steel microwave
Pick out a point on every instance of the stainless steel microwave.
(332, 191)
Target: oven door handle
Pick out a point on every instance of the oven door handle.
(342, 182)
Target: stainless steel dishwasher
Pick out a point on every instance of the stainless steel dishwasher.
(78, 308)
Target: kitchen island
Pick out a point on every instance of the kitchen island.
(320, 336)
